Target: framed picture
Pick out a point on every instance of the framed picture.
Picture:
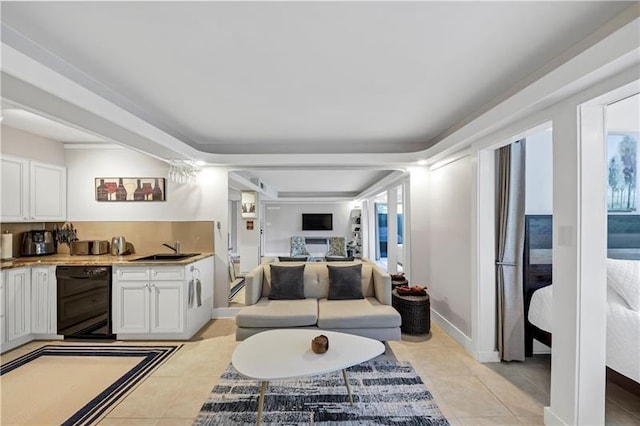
(250, 225)
(248, 204)
(114, 189)
(622, 171)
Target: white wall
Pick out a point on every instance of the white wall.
(419, 221)
(539, 173)
(284, 220)
(183, 201)
(27, 145)
(205, 200)
(448, 203)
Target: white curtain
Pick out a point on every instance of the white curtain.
(510, 193)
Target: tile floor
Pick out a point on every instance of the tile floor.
(534, 378)
(467, 392)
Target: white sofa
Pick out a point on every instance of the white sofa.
(372, 317)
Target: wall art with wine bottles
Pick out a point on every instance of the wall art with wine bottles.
(130, 189)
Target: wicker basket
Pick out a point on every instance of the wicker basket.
(415, 312)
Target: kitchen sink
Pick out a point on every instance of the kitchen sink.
(165, 257)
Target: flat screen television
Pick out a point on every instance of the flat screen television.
(317, 221)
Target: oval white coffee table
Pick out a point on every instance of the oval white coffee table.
(286, 354)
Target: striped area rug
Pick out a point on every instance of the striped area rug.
(384, 392)
(79, 383)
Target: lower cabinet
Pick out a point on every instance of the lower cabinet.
(149, 300)
(150, 307)
(162, 302)
(3, 331)
(27, 305)
(43, 300)
(17, 303)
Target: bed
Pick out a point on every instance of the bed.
(623, 293)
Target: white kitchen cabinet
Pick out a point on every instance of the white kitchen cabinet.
(3, 331)
(149, 300)
(43, 300)
(131, 307)
(18, 303)
(48, 189)
(32, 191)
(152, 302)
(15, 189)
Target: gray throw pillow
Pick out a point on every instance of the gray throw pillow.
(287, 282)
(345, 282)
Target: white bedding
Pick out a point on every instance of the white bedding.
(540, 308)
(623, 330)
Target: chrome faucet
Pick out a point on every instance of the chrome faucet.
(175, 247)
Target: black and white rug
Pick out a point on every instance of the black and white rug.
(150, 357)
(384, 393)
(236, 288)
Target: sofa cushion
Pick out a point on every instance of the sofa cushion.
(338, 259)
(279, 313)
(292, 259)
(345, 282)
(286, 282)
(316, 278)
(357, 313)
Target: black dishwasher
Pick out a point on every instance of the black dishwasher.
(84, 302)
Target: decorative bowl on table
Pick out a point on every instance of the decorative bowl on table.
(320, 344)
(405, 290)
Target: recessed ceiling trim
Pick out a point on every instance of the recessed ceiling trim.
(38, 124)
(314, 195)
(13, 38)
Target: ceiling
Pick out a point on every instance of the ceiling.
(240, 80)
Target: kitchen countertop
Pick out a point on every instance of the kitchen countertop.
(95, 260)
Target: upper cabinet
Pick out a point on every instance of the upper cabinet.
(32, 191)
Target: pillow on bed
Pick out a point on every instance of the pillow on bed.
(623, 276)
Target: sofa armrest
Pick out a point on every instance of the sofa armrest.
(382, 285)
(253, 285)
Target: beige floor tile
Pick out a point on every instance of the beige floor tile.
(453, 421)
(193, 393)
(175, 422)
(126, 422)
(446, 410)
(150, 400)
(498, 420)
(468, 397)
(532, 420)
(466, 391)
(529, 388)
(433, 362)
(517, 401)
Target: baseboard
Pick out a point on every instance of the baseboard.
(224, 312)
(550, 418)
(452, 331)
(487, 356)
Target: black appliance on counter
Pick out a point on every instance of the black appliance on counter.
(84, 302)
